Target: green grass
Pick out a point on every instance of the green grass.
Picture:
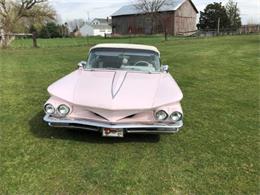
(217, 152)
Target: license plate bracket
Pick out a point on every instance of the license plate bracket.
(110, 132)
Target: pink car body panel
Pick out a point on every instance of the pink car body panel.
(115, 97)
(116, 94)
(129, 91)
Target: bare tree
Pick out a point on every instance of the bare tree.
(151, 8)
(75, 24)
(13, 12)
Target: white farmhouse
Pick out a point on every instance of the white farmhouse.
(98, 27)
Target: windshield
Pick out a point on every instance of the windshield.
(124, 59)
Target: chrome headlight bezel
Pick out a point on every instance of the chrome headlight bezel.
(65, 111)
(176, 116)
(160, 113)
(49, 109)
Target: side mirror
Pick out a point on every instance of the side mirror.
(82, 64)
(165, 68)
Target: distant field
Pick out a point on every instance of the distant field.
(217, 152)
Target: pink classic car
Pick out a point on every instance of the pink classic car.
(122, 88)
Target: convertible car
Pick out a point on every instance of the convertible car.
(121, 88)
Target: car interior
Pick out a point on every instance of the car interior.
(132, 62)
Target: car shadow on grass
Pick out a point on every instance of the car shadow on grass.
(41, 130)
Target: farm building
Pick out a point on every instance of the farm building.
(98, 27)
(101, 21)
(175, 16)
(250, 28)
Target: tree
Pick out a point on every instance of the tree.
(233, 14)
(53, 30)
(64, 30)
(213, 14)
(151, 9)
(23, 12)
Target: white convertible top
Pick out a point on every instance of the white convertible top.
(126, 46)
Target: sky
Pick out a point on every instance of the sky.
(75, 9)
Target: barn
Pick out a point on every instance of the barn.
(176, 17)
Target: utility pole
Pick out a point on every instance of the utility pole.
(88, 16)
(218, 25)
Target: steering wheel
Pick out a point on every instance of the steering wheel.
(142, 62)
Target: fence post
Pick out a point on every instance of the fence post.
(218, 25)
(34, 38)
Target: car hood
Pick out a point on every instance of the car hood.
(117, 90)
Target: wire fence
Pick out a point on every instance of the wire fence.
(24, 40)
(244, 30)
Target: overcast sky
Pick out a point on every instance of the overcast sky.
(72, 9)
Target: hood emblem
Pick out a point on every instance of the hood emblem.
(117, 83)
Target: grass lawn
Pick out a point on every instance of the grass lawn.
(217, 152)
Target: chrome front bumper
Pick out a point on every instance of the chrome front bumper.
(98, 126)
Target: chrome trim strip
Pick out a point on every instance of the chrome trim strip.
(114, 93)
(69, 123)
(153, 131)
(57, 125)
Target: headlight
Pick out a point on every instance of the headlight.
(63, 110)
(176, 116)
(49, 109)
(161, 115)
